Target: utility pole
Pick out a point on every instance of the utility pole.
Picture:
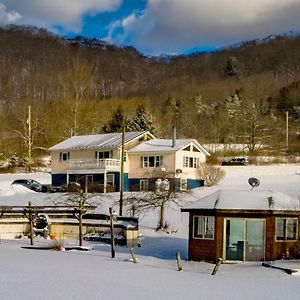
(122, 173)
(29, 138)
(287, 130)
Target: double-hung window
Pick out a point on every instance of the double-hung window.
(286, 229)
(151, 161)
(204, 227)
(190, 162)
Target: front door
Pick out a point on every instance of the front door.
(245, 239)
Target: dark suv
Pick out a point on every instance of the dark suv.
(238, 161)
(33, 185)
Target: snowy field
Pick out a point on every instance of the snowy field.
(48, 274)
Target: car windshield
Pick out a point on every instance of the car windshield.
(34, 181)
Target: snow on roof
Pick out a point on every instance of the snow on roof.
(107, 140)
(165, 145)
(246, 200)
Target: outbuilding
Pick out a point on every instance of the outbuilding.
(243, 225)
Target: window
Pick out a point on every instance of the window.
(103, 154)
(190, 162)
(110, 179)
(183, 184)
(64, 156)
(151, 161)
(204, 227)
(286, 229)
(144, 185)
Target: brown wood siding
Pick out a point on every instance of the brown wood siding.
(285, 249)
(201, 249)
(211, 250)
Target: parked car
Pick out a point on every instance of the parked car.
(33, 185)
(238, 161)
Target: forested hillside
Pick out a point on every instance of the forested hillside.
(74, 86)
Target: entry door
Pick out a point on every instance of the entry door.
(245, 239)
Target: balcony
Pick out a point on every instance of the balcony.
(97, 165)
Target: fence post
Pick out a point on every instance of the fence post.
(112, 240)
(30, 215)
(179, 262)
(216, 268)
(134, 259)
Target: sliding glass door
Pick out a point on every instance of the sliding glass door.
(244, 239)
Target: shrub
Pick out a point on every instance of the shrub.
(211, 174)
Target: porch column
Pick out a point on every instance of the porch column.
(105, 181)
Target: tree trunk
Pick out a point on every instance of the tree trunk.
(161, 221)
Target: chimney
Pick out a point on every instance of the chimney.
(173, 136)
(271, 202)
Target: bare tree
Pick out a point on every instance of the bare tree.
(75, 82)
(29, 129)
(82, 202)
(162, 192)
(211, 174)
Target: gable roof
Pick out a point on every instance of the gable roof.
(165, 145)
(246, 200)
(106, 140)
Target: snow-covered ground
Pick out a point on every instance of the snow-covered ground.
(47, 274)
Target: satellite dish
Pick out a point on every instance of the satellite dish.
(163, 168)
(254, 182)
(178, 171)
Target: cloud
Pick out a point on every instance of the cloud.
(7, 17)
(67, 14)
(174, 25)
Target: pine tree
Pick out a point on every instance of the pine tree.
(143, 121)
(116, 123)
(231, 68)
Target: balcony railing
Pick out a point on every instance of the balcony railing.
(107, 164)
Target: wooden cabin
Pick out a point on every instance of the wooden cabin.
(243, 225)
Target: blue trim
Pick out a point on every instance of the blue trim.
(134, 184)
(61, 179)
(58, 179)
(194, 183)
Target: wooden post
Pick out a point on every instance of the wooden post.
(134, 259)
(216, 268)
(112, 240)
(30, 216)
(179, 262)
(80, 217)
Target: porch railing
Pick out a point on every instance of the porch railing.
(108, 164)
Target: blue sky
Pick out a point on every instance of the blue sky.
(158, 26)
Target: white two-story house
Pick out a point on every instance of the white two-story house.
(97, 159)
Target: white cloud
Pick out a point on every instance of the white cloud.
(174, 25)
(65, 13)
(7, 17)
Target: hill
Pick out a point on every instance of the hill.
(208, 96)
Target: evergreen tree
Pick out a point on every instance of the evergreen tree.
(231, 68)
(116, 123)
(143, 121)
